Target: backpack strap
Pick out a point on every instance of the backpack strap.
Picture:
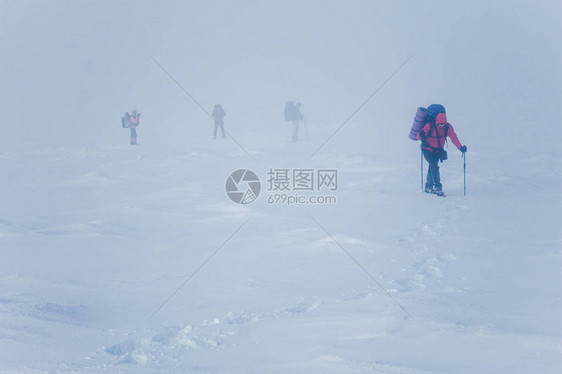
(433, 128)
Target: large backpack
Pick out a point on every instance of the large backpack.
(424, 116)
(125, 121)
(291, 111)
(432, 111)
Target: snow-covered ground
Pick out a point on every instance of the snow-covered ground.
(98, 242)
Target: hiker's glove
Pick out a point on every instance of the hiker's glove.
(463, 149)
(422, 135)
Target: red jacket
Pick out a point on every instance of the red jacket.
(134, 121)
(435, 136)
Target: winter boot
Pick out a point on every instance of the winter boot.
(439, 192)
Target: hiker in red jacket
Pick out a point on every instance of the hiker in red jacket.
(133, 124)
(433, 136)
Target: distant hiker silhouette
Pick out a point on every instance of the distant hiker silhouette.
(134, 119)
(293, 114)
(218, 115)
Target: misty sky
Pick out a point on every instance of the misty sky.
(70, 69)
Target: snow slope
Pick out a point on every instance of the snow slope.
(96, 239)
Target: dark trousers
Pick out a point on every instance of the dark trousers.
(217, 125)
(433, 177)
(133, 135)
(295, 130)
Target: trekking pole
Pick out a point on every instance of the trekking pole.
(464, 171)
(421, 158)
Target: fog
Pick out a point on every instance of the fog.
(133, 259)
(70, 69)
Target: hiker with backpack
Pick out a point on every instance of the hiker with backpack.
(218, 115)
(293, 114)
(433, 132)
(133, 124)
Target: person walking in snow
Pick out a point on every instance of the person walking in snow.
(433, 136)
(294, 115)
(133, 124)
(218, 115)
